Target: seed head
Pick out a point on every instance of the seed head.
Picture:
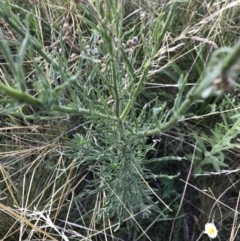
(66, 28)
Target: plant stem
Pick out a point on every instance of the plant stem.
(135, 93)
(116, 88)
(28, 99)
(20, 96)
(146, 63)
(231, 59)
(195, 93)
(86, 112)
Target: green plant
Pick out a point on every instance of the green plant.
(88, 86)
